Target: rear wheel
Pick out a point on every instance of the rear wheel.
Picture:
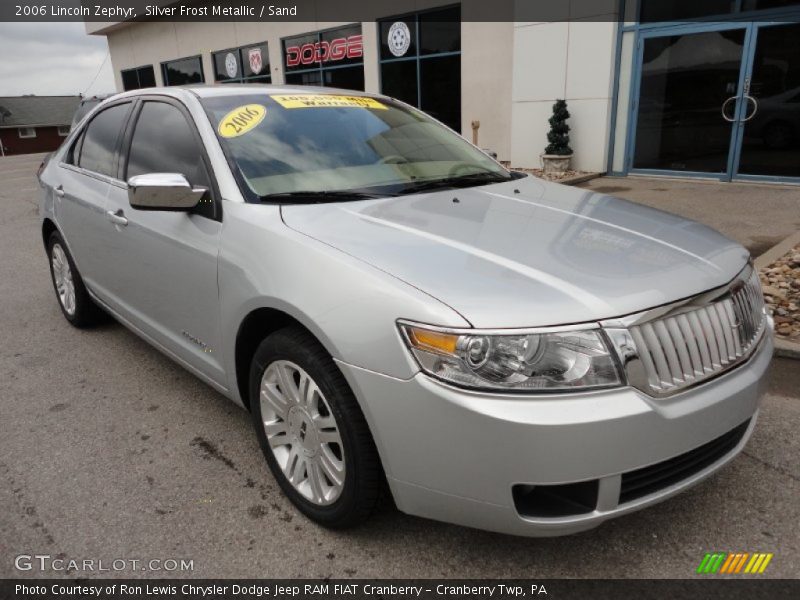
(75, 302)
(312, 431)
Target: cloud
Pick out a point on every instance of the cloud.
(50, 59)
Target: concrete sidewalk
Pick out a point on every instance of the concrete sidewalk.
(756, 215)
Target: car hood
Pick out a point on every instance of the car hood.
(528, 253)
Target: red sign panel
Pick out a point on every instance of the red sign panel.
(321, 52)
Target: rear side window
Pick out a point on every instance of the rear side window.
(83, 110)
(165, 142)
(99, 143)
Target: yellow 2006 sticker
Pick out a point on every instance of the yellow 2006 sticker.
(241, 120)
(326, 101)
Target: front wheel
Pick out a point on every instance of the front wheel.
(312, 431)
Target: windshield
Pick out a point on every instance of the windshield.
(308, 142)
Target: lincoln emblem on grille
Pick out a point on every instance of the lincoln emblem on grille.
(736, 288)
(697, 340)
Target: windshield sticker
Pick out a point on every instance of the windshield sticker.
(326, 101)
(241, 120)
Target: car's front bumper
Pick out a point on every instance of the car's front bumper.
(455, 455)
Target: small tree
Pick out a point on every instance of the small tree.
(558, 136)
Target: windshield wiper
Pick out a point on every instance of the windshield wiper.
(319, 196)
(455, 182)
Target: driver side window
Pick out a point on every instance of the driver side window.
(164, 142)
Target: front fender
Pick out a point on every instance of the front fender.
(350, 306)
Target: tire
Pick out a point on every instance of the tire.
(302, 432)
(73, 299)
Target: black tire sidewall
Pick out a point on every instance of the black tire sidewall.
(304, 351)
(85, 310)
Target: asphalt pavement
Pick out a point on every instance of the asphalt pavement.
(110, 451)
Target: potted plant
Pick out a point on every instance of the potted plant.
(557, 155)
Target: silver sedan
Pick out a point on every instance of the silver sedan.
(403, 316)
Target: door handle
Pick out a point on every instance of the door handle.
(724, 105)
(755, 107)
(117, 218)
(59, 191)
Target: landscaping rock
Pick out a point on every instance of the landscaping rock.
(781, 285)
(566, 177)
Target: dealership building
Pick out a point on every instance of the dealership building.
(690, 89)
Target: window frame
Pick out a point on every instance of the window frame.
(165, 79)
(127, 139)
(30, 133)
(241, 78)
(72, 157)
(418, 57)
(138, 79)
(321, 68)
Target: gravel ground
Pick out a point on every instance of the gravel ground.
(566, 175)
(109, 450)
(781, 283)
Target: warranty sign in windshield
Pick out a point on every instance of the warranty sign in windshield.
(326, 101)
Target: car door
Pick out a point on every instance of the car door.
(84, 178)
(163, 264)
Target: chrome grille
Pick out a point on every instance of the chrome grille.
(700, 340)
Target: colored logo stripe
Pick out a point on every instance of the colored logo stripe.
(711, 562)
(758, 563)
(730, 563)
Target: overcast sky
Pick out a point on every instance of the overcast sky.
(53, 59)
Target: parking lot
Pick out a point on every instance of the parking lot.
(108, 450)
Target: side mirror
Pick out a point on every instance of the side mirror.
(163, 191)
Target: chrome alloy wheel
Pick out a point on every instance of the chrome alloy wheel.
(62, 274)
(302, 432)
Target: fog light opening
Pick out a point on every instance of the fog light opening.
(552, 501)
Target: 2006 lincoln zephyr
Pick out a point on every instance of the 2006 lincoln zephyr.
(393, 306)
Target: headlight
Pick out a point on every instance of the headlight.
(539, 362)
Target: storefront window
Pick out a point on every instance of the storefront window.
(653, 11)
(333, 58)
(138, 78)
(421, 62)
(247, 64)
(183, 71)
(678, 10)
(767, 4)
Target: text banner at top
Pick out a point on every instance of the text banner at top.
(518, 11)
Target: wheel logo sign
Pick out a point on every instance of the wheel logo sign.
(254, 56)
(231, 67)
(399, 38)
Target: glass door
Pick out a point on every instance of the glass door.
(768, 143)
(689, 96)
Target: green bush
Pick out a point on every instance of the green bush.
(558, 136)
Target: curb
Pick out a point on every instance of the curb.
(580, 179)
(786, 349)
(778, 250)
(783, 348)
